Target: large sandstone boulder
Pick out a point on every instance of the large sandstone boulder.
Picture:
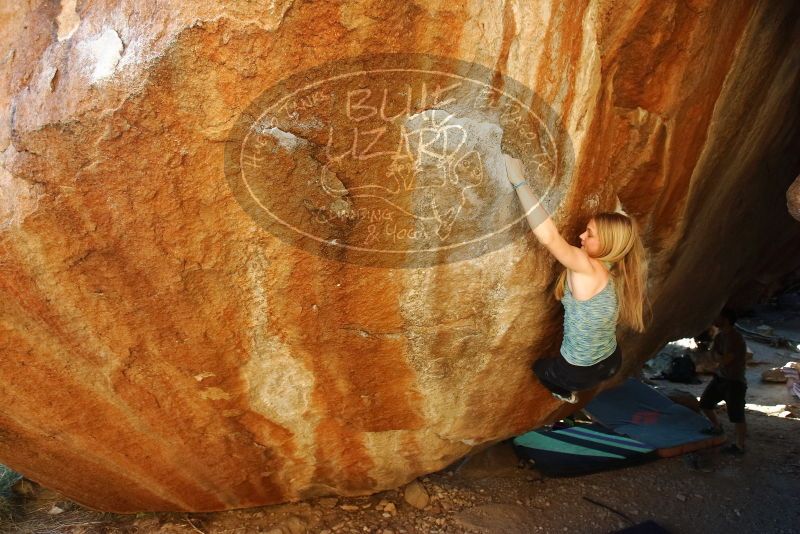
(229, 276)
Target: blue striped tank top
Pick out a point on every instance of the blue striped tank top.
(590, 326)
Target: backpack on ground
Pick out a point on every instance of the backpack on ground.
(681, 369)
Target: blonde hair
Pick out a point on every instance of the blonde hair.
(621, 245)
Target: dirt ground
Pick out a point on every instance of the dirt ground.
(493, 492)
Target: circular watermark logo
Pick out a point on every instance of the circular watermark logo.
(395, 160)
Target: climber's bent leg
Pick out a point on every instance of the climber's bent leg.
(544, 369)
(563, 378)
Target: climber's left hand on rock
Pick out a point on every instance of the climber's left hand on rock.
(515, 172)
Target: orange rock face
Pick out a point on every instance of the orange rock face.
(232, 273)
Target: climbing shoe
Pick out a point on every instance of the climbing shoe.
(572, 399)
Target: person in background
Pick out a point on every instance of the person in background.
(729, 382)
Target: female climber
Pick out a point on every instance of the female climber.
(602, 283)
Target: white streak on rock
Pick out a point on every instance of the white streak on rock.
(287, 140)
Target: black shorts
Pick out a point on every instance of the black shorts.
(560, 376)
(731, 391)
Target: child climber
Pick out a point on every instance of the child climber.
(602, 283)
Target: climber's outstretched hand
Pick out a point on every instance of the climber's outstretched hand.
(515, 172)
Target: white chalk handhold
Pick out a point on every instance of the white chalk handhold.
(105, 51)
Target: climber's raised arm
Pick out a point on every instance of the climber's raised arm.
(573, 258)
